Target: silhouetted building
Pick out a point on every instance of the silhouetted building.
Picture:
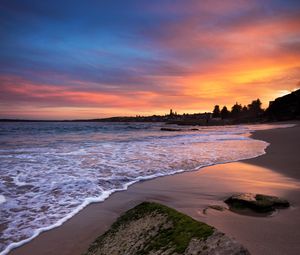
(285, 108)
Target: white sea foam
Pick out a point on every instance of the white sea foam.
(49, 178)
(2, 199)
(17, 181)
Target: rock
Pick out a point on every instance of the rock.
(155, 229)
(171, 129)
(214, 207)
(257, 202)
(179, 129)
(217, 243)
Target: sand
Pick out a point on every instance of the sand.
(275, 173)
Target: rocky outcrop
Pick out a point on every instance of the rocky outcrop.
(257, 202)
(151, 228)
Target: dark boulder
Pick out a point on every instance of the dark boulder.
(256, 202)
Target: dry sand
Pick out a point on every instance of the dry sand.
(275, 173)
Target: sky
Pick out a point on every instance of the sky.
(92, 59)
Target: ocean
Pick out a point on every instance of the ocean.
(52, 170)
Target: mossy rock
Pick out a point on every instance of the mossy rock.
(152, 228)
(256, 202)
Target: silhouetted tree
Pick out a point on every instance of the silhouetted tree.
(245, 109)
(255, 108)
(224, 113)
(216, 112)
(236, 110)
(245, 112)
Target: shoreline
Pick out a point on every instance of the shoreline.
(64, 239)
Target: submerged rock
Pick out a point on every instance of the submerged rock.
(178, 129)
(151, 228)
(256, 202)
(171, 129)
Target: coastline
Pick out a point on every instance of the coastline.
(190, 192)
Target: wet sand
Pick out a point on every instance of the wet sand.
(275, 173)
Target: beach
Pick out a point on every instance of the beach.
(275, 173)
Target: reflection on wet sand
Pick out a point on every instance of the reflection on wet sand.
(243, 177)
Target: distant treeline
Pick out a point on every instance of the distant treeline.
(249, 112)
(282, 108)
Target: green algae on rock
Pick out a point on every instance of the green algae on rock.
(152, 228)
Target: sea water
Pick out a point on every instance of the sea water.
(51, 170)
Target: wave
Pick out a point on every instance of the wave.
(101, 198)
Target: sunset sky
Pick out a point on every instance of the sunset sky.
(89, 59)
